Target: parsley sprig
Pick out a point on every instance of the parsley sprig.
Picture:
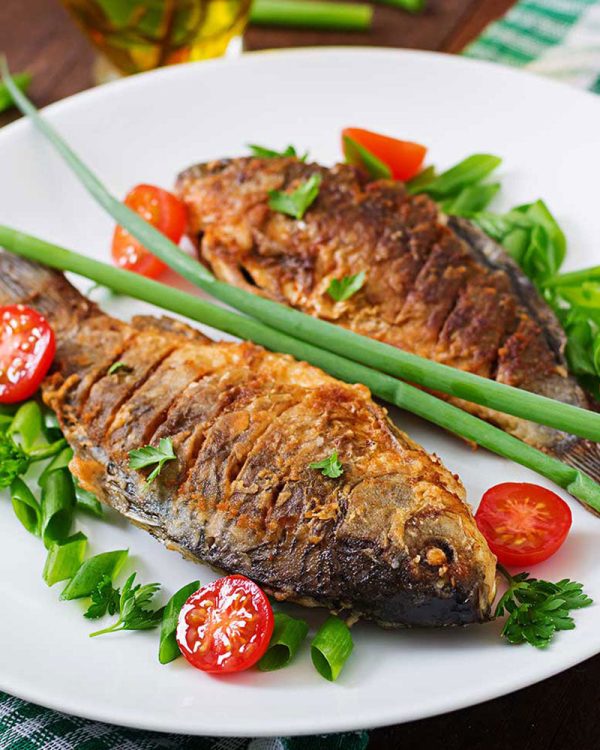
(298, 202)
(149, 455)
(13, 460)
(133, 608)
(538, 609)
(330, 466)
(105, 599)
(262, 152)
(342, 289)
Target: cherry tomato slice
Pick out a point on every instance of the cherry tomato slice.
(226, 626)
(404, 158)
(161, 209)
(523, 523)
(27, 347)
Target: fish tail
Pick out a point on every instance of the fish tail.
(45, 290)
(583, 455)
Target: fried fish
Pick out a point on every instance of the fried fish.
(391, 539)
(434, 286)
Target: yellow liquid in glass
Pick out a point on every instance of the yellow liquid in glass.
(137, 35)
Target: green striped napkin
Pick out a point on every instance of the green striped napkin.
(560, 38)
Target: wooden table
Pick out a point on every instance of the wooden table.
(558, 714)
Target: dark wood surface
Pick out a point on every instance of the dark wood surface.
(558, 714)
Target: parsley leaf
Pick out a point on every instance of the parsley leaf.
(538, 609)
(330, 466)
(262, 152)
(141, 457)
(105, 598)
(133, 612)
(342, 289)
(13, 460)
(297, 203)
(116, 366)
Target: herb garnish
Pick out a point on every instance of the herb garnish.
(262, 152)
(13, 460)
(342, 289)
(297, 203)
(133, 612)
(538, 609)
(360, 156)
(330, 466)
(116, 366)
(105, 599)
(141, 457)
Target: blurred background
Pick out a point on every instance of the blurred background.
(69, 45)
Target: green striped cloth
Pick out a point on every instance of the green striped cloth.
(560, 38)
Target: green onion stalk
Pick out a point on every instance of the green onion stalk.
(286, 320)
(384, 386)
(312, 14)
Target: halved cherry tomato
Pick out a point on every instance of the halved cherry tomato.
(225, 626)
(404, 158)
(523, 523)
(161, 209)
(27, 347)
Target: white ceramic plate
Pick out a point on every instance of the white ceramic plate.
(145, 129)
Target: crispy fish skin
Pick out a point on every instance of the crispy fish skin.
(391, 540)
(435, 286)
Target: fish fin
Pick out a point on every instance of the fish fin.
(583, 455)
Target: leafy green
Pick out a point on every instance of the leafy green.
(105, 599)
(330, 466)
(119, 367)
(13, 460)
(149, 455)
(133, 608)
(168, 650)
(538, 609)
(342, 289)
(297, 202)
(262, 152)
(450, 183)
(361, 157)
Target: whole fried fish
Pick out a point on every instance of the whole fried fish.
(392, 539)
(435, 286)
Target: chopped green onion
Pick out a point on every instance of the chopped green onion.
(418, 183)
(22, 80)
(331, 647)
(346, 343)
(471, 199)
(168, 648)
(28, 424)
(87, 501)
(89, 575)
(288, 635)
(412, 6)
(359, 156)
(58, 506)
(60, 461)
(25, 506)
(401, 394)
(314, 14)
(64, 558)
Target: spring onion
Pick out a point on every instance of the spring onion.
(359, 156)
(288, 635)
(58, 506)
(388, 388)
(331, 647)
(312, 14)
(87, 501)
(64, 558)
(25, 506)
(374, 354)
(168, 650)
(60, 461)
(22, 80)
(412, 6)
(28, 424)
(89, 575)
